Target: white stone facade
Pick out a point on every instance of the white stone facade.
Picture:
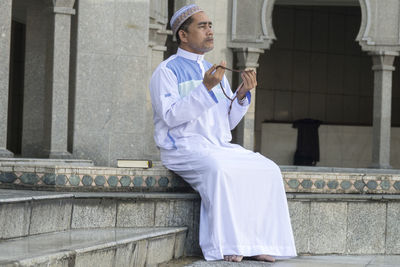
(87, 65)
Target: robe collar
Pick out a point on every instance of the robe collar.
(189, 55)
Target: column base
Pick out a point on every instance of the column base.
(4, 153)
(380, 166)
(60, 155)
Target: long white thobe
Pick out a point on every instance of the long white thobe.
(243, 202)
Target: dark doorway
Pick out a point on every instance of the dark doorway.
(16, 87)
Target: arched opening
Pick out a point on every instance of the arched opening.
(31, 79)
(316, 70)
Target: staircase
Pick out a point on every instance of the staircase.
(95, 247)
(94, 229)
(75, 215)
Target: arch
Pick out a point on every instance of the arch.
(380, 29)
(266, 20)
(363, 34)
(258, 33)
(296, 74)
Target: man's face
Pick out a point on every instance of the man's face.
(200, 37)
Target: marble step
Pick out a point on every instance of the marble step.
(322, 224)
(96, 247)
(27, 213)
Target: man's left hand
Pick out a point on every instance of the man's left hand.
(249, 82)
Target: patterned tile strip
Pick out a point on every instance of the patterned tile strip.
(97, 178)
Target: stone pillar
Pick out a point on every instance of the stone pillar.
(158, 19)
(5, 39)
(58, 80)
(247, 58)
(36, 49)
(383, 68)
(379, 35)
(158, 33)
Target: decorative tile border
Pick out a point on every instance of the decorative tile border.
(92, 179)
(324, 182)
(160, 179)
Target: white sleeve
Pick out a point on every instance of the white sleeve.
(169, 105)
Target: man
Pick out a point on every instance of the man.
(243, 203)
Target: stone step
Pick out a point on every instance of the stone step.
(26, 213)
(322, 223)
(96, 247)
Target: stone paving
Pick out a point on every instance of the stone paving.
(307, 261)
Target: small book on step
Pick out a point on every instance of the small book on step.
(134, 163)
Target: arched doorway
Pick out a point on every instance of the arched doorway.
(316, 70)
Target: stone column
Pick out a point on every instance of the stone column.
(383, 68)
(58, 81)
(158, 33)
(247, 58)
(5, 39)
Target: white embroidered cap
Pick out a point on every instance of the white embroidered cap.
(182, 15)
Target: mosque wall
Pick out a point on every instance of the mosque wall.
(112, 58)
(314, 69)
(111, 82)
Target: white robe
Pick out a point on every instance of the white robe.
(243, 202)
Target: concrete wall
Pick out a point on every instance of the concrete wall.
(110, 93)
(111, 88)
(340, 146)
(324, 225)
(317, 70)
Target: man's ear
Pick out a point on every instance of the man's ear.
(183, 36)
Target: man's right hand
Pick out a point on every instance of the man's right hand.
(212, 79)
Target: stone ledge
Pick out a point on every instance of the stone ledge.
(44, 162)
(342, 197)
(159, 179)
(293, 168)
(12, 196)
(134, 195)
